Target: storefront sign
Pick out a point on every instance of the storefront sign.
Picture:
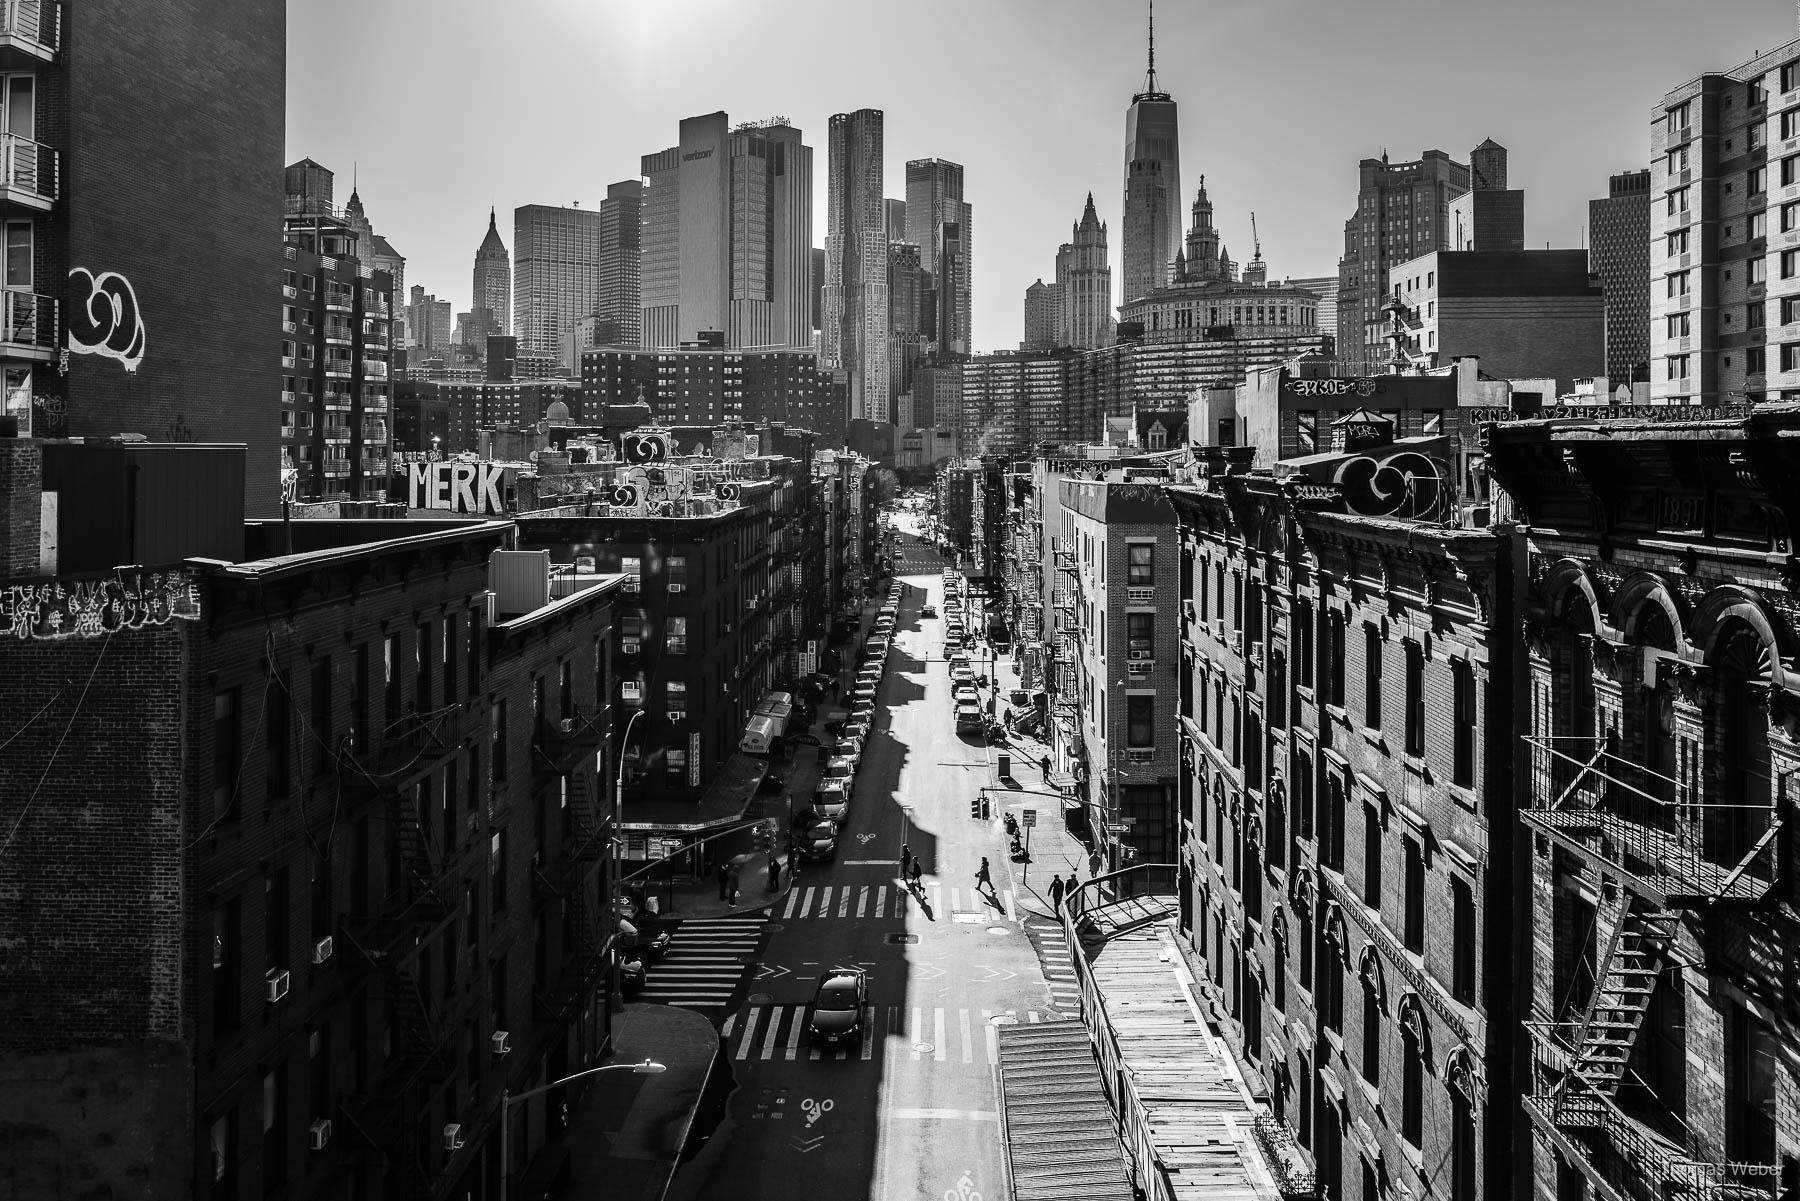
(694, 760)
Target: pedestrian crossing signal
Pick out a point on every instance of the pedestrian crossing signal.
(765, 836)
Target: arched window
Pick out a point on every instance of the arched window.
(1657, 729)
(1743, 736)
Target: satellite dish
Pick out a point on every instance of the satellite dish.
(534, 456)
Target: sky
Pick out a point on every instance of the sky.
(445, 107)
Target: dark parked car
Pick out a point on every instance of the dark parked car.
(817, 841)
(838, 1005)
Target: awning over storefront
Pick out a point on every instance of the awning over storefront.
(721, 802)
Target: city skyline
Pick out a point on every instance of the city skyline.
(1291, 156)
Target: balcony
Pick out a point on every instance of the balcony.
(1063, 599)
(337, 368)
(374, 369)
(30, 30)
(336, 301)
(1628, 821)
(337, 333)
(28, 326)
(27, 174)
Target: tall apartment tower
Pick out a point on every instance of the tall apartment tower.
(1152, 185)
(895, 215)
(492, 305)
(1043, 306)
(854, 333)
(375, 253)
(1084, 285)
(556, 273)
(728, 235)
(621, 301)
(1402, 212)
(1619, 253)
(938, 220)
(1725, 280)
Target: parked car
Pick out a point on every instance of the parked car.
(968, 716)
(963, 692)
(862, 693)
(839, 768)
(928, 611)
(846, 748)
(878, 645)
(856, 727)
(817, 841)
(838, 1006)
(832, 802)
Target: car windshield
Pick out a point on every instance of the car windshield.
(838, 994)
(838, 767)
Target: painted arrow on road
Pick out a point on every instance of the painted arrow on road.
(928, 971)
(992, 974)
(803, 1145)
(771, 971)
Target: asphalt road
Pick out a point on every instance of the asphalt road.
(912, 1112)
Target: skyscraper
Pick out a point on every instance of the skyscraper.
(556, 275)
(491, 312)
(728, 235)
(1084, 285)
(855, 299)
(1402, 212)
(1043, 305)
(905, 288)
(620, 304)
(895, 211)
(1619, 253)
(938, 221)
(1152, 185)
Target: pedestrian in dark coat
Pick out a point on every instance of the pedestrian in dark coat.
(731, 887)
(1069, 888)
(982, 878)
(918, 871)
(906, 860)
(774, 874)
(1056, 892)
(723, 875)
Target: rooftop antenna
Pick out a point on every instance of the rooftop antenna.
(1150, 77)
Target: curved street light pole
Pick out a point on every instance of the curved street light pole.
(618, 840)
(508, 1099)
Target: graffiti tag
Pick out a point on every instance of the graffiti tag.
(90, 608)
(104, 318)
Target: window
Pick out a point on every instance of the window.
(675, 699)
(1790, 356)
(1140, 637)
(1334, 659)
(1790, 170)
(1412, 1086)
(1372, 657)
(422, 660)
(675, 572)
(1756, 180)
(226, 751)
(1303, 797)
(473, 657)
(390, 666)
(1303, 642)
(1755, 360)
(1372, 857)
(1759, 270)
(497, 869)
(1140, 721)
(1679, 119)
(1759, 225)
(1415, 698)
(277, 737)
(1140, 564)
(1790, 264)
(1678, 325)
(1307, 432)
(676, 642)
(1759, 137)
(19, 235)
(631, 693)
(1463, 717)
(1331, 826)
(1790, 77)
(1462, 940)
(1678, 160)
(1676, 284)
(275, 920)
(318, 893)
(1678, 242)
(1677, 367)
(1331, 988)
(223, 1141)
(1277, 702)
(1462, 1146)
(1678, 202)
(1371, 1034)
(675, 763)
(1790, 217)
(497, 740)
(227, 986)
(275, 1129)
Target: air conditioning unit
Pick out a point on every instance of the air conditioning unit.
(501, 1040)
(728, 627)
(453, 1139)
(628, 646)
(566, 725)
(677, 587)
(1140, 654)
(1140, 754)
(277, 984)
(677, 714)
(318, 1135)
(322, 950)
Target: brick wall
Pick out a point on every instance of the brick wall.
(21, 506)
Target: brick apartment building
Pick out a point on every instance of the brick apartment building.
(1346, 871)
(309, 853)
(710, 385)
(1118, 637)
(106, 331)
(1659, 626)
(336, 317)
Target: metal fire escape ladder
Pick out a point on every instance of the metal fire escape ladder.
(590, 839)
(1635, 956)
(415, 855)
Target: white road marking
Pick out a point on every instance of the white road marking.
(945, 1115)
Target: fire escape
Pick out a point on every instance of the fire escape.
(561, 752)
(1669, 859)
(386, 770)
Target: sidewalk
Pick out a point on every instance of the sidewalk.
(625, 1135)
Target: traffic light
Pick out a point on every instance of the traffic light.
(764, 836)
(978, 808)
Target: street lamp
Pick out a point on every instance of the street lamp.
(619, 810)
(508, 1099)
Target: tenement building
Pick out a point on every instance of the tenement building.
(306, 797)
(1346, 872)
(1661, 734)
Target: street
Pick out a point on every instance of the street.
(912, 1111)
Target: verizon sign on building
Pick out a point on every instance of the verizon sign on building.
(457, 487)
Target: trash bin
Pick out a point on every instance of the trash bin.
(1005, 766)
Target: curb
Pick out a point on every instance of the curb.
(687, 1126)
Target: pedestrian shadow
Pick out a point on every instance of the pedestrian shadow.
(924, 905)
(993, 898)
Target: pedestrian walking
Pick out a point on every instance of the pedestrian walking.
(731, 887)
(918, 871)
(982, 878)
(1056, 892)
(1045, 764)
(906, 860)
(774, 874)
(724, 875)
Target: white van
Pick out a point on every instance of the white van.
(761, 733)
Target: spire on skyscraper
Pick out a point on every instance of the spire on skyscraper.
(1151, 90)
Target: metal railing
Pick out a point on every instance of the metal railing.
(29, 19)
(27, 319)
(28, 166)
(1649, 826)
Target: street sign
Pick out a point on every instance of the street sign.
(1028, 817)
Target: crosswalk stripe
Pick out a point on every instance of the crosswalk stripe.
(962, 1016)
(769, 1035)
(844, 904)
(938, 1050)
(867, 1051)
(993, 1035)
(918, 1022)
(793, 1041)
(792, 904)
(862, 903)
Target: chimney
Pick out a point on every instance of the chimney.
(21, 507)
